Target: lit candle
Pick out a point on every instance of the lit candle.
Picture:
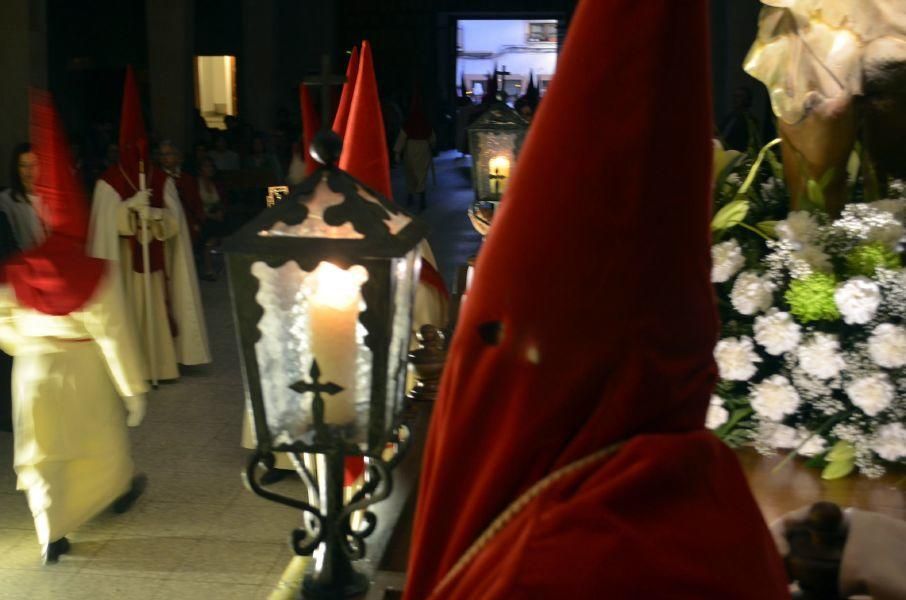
(499, 167)
(333, 315)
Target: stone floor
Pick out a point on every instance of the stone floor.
(196, 533)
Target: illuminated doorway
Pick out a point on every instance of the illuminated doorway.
(215, 88)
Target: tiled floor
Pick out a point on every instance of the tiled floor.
(196, 533)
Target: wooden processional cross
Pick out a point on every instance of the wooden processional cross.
(500, 78)
(324, 80)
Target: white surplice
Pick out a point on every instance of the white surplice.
(111, 224)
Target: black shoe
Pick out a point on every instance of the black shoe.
(274, 475)
(125, 502)
(54, 550)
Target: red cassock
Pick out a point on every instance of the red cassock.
(589, 333)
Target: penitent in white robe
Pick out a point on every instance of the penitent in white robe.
(72, 453)
(112, 226)
(416, 156)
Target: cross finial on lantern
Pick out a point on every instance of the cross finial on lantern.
(324, 80)
(317, 388)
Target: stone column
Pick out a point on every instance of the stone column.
(171, 55)
(256, 66)
(23, 62)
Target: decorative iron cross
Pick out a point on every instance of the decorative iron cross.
(317, 388)
(500, 76)
(324, 81)
(496, 178)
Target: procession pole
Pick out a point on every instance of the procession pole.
(146, 280)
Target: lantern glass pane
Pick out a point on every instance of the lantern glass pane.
(308, 316)
(405, 273)
(499, 147)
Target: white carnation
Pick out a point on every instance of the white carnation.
(896, 207)
(777, 332)
(751, 293)
(726, 260)
(872, 393)
(782, 436)
(814, 257)
(774, 398)
(717, 414)
(799, 227)
(858, 300)
(820, 356)
(736, 358)
(814, 444)
(890, 441)
(887, 346)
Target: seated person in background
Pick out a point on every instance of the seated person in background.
(224, 158)
(214, 225)
(261, 159)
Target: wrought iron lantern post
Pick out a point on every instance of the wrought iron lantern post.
(495, 139)
(322, 286)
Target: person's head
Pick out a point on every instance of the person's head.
(170, 156)
(883, 113)
(199, 152)
(207, 169)
(742, 99)
(220, 144)
(23, 169)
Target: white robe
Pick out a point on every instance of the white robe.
(71, 453)
(110, 222)
(416, 156)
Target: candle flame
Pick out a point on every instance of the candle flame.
(337, 288)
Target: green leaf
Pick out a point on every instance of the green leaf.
(768, 227)
(776, 165)
(815, 194)
(838, 470)
(730, 215)
(841, 451)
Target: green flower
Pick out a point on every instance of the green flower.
(866, 258)
(812, 298)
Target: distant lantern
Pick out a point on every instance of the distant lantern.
(323, 286)
(494, 142)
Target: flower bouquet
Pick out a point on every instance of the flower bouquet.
(812, 355)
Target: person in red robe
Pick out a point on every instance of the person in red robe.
(567, 456)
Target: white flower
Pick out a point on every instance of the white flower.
(887, 346)
(799, 227)
(888, 234)
(726, 260)
(814, 443)
(814, 257)
(857, 299)
(890, 441)
(717, 414)
(872, 393)
(782, 436)
(736, 358)
(774, 398)
(896, 207)
(777, 332)
(751, 293)
(820, 356)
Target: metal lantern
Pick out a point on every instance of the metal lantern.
(323, 286)
(495, 139)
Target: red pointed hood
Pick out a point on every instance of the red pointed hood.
(56, 277)
(365, 144)
(133, 142)
(311, 123)
(590, 321)
(341, 119)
